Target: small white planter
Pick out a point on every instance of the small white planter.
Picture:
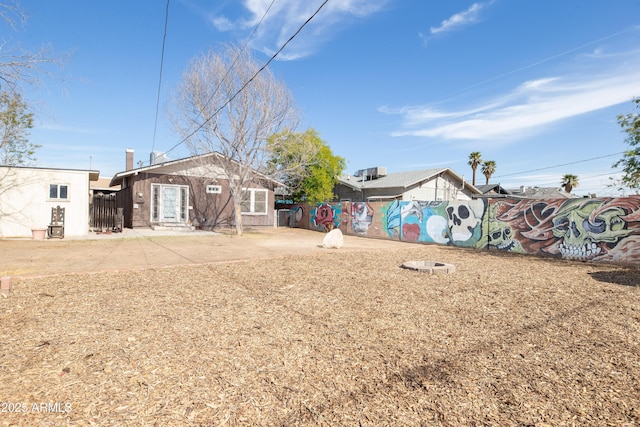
(38, 233)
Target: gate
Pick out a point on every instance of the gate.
(284, 218)
(104, 213)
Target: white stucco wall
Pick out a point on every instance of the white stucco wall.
(437, 188)
(25, 202)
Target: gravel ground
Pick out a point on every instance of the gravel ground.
(325, 337)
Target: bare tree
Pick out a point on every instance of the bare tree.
(11, 13)
(228, 105)
(18, 65)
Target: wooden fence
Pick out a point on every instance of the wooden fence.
(104, 213)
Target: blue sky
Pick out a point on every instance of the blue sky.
(534, 85)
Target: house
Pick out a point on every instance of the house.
(541, 193)
(374, 184)
(495, 191)
(190, 192)
(28, 194)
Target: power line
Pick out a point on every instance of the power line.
(564, 164)
(250, 80)
(539, 62)
(244, 47)
(164, 39)
(582, 179)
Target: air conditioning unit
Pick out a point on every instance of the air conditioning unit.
(372, 173)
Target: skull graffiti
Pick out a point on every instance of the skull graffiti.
(462, 221)
(501, 237)
(587, 231)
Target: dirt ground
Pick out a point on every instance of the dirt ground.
(219, 330)
(137, 250)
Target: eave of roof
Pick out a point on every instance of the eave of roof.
(93, 174)
(392, 197)
(118, 177)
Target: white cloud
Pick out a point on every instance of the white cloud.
(539, 84)
(285, 17)
(418, 115)
(67, 129)
(469, 16)
(525, 109)
(221, 23)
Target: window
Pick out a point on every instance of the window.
(184, 204)
(155, 203)
(214, 189)
(59, 191)
(254, 201)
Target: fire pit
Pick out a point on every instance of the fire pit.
(430, 267)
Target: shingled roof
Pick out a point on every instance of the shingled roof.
(542, 193)
(404, 179)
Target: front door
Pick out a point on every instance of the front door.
(169, 203)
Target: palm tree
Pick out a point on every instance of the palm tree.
(569, 182)
(488, 168)
(475, 160)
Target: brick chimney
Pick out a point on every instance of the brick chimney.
(129, 159)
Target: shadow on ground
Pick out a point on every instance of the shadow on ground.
(625, 278)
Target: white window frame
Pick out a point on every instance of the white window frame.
(251, 192)
(214, 189)
(57, 196)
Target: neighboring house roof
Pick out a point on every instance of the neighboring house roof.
(403, 180)
(102, 183)
(542, 193)
(93, 174)
(492, 189)
(175, 166)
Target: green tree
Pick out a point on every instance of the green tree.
(475, 160)
(488, 169)
(15, 122)
(630, 161)
(569, 182)
(306, 164)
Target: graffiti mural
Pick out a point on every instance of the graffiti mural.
(297, 215)
(599, 229)
(326, 217)
(529, 222)
(391, 219)
(464, 222)
(499, 234)
(575, 229)
(590, 229)
(456, 223)
(423, 222)
(361, 217)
